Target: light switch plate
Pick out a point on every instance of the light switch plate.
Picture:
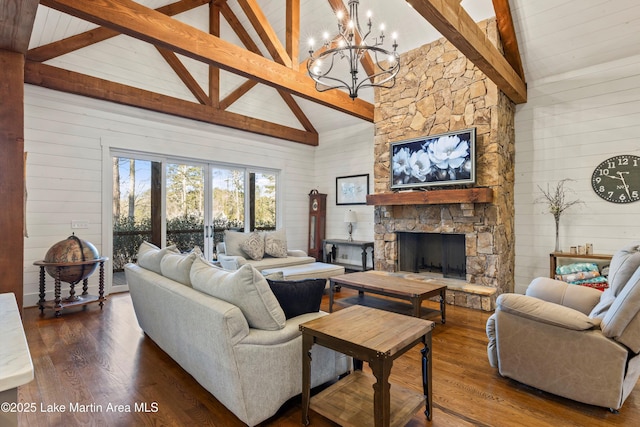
(78, 224)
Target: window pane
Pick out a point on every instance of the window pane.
(131, 208)
(185, 206)
(227, 192)
(265, 201)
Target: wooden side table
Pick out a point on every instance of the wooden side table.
(377, 337)
(58, 304)
(554, 256)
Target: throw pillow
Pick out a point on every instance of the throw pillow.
(244, 288)
(230, 263)
(254, 246)
(275, 244)
(178, 266)
(233, 243)
(298, 297)
(149, 256)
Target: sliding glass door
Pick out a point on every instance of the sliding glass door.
(185, 217)
(185, 203)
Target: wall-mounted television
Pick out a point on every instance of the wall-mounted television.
(434, 160)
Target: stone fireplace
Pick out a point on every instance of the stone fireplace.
(438, 90)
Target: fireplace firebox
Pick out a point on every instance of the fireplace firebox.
(432, 252)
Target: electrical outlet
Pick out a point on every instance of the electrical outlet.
(77, 224)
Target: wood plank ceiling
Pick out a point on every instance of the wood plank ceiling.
(282, 71)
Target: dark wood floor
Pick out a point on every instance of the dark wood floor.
(101, 360)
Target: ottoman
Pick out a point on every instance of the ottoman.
(314, 270)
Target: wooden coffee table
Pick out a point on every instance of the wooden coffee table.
(377, 337)
(391, 285)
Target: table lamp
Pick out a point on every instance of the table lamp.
(350, 218)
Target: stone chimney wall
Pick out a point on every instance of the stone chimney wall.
(439, 90)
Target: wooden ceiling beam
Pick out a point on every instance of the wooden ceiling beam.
(265, 32)
(79, 41)
(184, 75)
(214, 72)
(297, 111)
(507, 33)
(81, 84)
(293, 32)
(16, 24)
(244, 36)
(454, 23)
(135, 20)
(237, 93)
(240, 31)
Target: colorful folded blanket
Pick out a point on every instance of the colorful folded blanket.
(593, 280)
(581, 275)
(577, 267)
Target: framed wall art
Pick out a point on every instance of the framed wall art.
(434, 160)
(352, 190)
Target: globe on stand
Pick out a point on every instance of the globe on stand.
(72, 249)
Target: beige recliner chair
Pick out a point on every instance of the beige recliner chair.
(570, 340)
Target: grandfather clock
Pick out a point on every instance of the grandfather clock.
(317, 221)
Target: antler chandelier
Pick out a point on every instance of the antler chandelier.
(349, 47)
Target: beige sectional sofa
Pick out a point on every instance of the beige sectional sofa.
(227, 330)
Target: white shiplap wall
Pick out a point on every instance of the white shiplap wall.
(345, 152)
(570, 124)
(64, 137)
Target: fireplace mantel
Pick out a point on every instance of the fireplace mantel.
(432, 197)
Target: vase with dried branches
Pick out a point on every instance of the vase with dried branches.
(557, 203)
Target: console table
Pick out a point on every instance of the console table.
(363, 245)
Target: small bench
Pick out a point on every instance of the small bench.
(314, 270)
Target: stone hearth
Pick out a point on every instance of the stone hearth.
(438, 90)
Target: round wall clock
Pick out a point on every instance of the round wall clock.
(617, 179)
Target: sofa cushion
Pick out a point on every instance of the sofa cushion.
(275, 244)
(149, 256)
(254, 246)
(233, 243)
(245, 288)
(545, 312)
(177, 267)
(271, 262)
(624, 263)
(622, 321)
(298, 297)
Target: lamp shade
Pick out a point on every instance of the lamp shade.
(350, 216)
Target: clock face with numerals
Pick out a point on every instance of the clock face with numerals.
(617, 179)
